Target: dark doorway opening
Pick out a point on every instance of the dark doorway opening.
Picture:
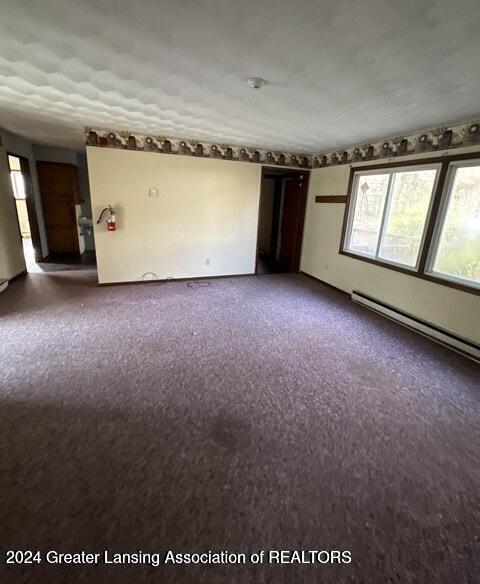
(283, 197)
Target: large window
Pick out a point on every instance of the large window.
(390, 212)
(419, 218)
(456, 245)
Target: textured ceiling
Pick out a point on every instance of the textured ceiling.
(338, 73)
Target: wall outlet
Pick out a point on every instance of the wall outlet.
(207, 261)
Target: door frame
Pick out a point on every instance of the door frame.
(30, 204)
(286, 173)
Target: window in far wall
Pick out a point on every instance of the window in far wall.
(390, 210)
(455, 252)
(18, 183)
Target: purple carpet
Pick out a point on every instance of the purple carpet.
(241, 414)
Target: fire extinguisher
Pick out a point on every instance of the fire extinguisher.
(110, 220)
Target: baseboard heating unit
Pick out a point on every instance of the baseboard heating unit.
(432, 331)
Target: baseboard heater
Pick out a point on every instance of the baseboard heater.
(442, 336)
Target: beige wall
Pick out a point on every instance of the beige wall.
(12, 262)
(451, 309)
(203, 223)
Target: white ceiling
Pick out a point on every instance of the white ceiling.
(338, 73)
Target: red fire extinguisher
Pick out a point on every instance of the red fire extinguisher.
(110, 220)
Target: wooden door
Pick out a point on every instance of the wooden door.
(59, 189)
(294, 200)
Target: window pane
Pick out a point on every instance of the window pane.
(18, 185)
(367, 218)
(407, 215)
(14, 162)
(459, 243)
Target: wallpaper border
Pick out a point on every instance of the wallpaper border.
(435, 139)
(202, 149)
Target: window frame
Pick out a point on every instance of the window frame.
(442, 215)
(432, 226)
(386, 209)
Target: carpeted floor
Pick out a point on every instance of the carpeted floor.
(243, 414)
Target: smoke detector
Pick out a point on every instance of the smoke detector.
(255, 82)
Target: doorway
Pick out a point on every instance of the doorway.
(283, 197)
(26, 213)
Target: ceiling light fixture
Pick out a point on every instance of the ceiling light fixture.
(255, 82)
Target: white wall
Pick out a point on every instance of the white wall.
(203, 223)
(449, 308)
